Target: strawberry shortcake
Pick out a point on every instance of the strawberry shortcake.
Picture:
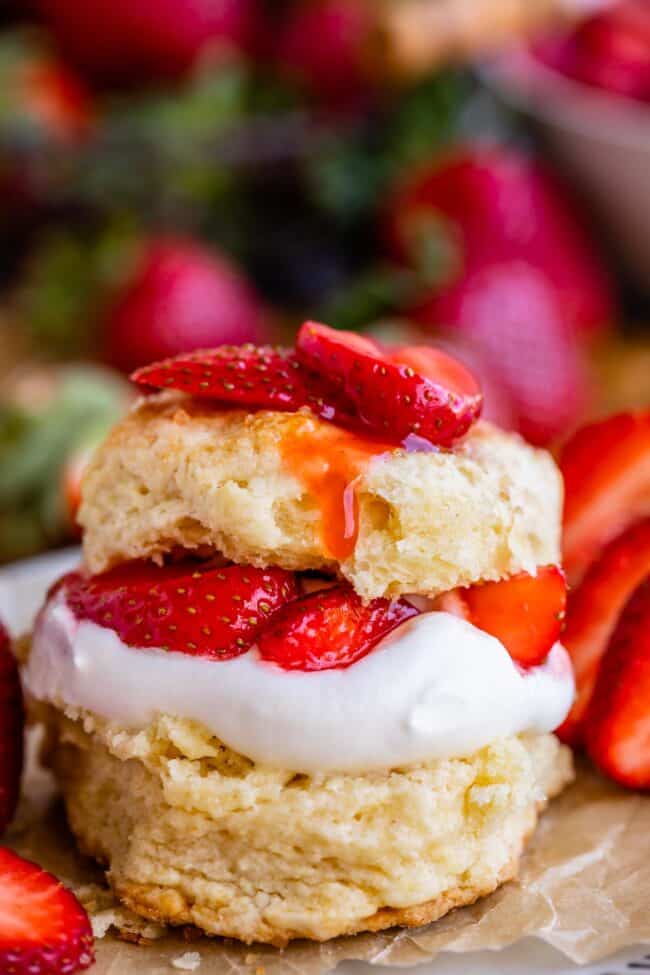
(306, 679)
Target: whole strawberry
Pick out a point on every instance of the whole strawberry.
(11, 732)
(180, 297)
(148, 40)
(322, 45)
(487, 205)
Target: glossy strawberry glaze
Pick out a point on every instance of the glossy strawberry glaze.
(329, 461)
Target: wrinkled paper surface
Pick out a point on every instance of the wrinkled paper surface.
(584, 889)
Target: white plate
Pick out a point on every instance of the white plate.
(22, 588)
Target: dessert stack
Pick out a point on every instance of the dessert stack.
(305, 681)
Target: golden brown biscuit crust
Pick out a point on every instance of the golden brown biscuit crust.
(152, 903)
(257, 854)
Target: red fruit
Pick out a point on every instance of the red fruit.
(330, 629)
(149, 40)
(525, 612)
(193, 609)
(617, 728)
(251, 375)
(261, 377)
(436, 365)
(11, 734)
(52, 97)
(44, 930)
(388, 395)
(614, 50)
(512, 316)
(180, 298)
(322, 44)
(593, 612)
(610, 50)
(498, 407)
(493, 205)
(606, 468)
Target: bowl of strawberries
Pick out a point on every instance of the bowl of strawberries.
(589, 92)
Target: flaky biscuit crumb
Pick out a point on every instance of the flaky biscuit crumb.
(261, 854)
(188, 962)
(206, 480)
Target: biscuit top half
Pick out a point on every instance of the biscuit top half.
(288, 489)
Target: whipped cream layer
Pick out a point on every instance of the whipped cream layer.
(437, 687)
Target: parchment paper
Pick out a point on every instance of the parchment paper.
(584, 888)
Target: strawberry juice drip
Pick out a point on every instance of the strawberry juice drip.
(330, 462)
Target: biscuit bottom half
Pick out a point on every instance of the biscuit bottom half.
(193, 833)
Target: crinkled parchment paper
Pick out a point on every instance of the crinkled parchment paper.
(584, 888)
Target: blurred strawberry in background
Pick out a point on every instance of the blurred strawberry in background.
(216, 147)
(41, 97)
(488, 204)
(610, 50)
(512, 315)
(512, 269)
(180, 297)
(498, 402)
(321, 45)
(45, 111)
(498, 406)
(145, 41)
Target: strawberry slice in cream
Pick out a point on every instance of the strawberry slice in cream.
(436, 687)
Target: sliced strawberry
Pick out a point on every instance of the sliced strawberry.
(330, 629)
(193, 609)
(524, 612)
(252, 375)
(11, 732)
(438, 366)
(373, 389)
(247, 375)
(606, 468)
(44, 930)
(389, 396)
(617, 727)
(593, 612)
